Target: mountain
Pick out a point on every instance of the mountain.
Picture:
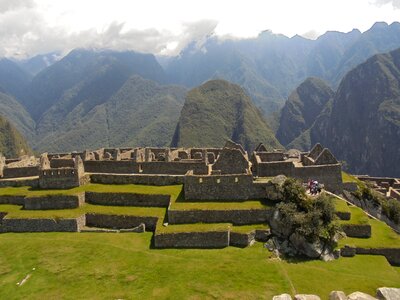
(81, 66)
(13, 80)
(361, 124)
(219, 110)
(140, 113)
(11, 109)
(12, 143)
(270, 66)
(34, 65)
(302, 108)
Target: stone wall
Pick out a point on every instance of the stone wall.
(128, 199)
(120, 221)
(158, 180)
(241, 239)
(222, 187)
(271, 156)
(32, 182)
(54, 202)
(237, 217)
(62, 163)
(357, 231)
(14, 200)
(59, 178)
(329, 175)
(211, 239)
(42, 225)
(174, 167)
(111, 166)
(391, 254)
(270, 169)
(21, 172)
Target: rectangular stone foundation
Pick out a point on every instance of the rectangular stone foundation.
(205, 240)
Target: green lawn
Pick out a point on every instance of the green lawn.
(15, 211)
(173, 190)
(122, 266)
(346, 177)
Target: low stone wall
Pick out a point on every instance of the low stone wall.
(357, 231)
(262, 235)
(62, 163)
(158, 180)
(391, 254)
(174, 167)
(241, 239)
(120, 221)
(237, 217)
(32, 182)
(223, 187)
(42, 225)
(128, 199)
(15, 200)
(21, 172)
(343, 215)
(111, 166)
(207, 240)
(54, 202)
(350, 186)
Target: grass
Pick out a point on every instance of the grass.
(248, 228)
(346, 177)
(173, 190)
(199, 227)
(358, 217)
(340, 205)
(15, 211)
(209, 205)
(122, 266)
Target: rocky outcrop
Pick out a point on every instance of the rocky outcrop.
(385, 293)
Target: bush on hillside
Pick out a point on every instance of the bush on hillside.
(312, 218)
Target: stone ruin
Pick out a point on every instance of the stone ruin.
(195, 165)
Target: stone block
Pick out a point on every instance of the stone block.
(282, 297)
(385, 293)
(306, 297)
(337, 295)
(360, 296)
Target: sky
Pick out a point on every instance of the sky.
(165, 27)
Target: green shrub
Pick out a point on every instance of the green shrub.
(313, 218)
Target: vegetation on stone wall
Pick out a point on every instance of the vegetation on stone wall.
(390, 207)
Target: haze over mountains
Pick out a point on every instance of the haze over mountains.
(104, 98)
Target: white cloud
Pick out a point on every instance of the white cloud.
(395, 3)
(29, 27)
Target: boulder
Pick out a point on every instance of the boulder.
(306, 297)
(282, 297)
(360, 296)
(278, 227)
(385, 293)
(337, 295)
(273, 188)
(311, 250)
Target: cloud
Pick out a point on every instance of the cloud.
(10, 5)
(395, 3)
(34, 35)
(312, 34)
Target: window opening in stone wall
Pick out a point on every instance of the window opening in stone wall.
(236, 179)
(200, 180)
(218, 180)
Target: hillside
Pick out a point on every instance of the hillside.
(81, 66)
(140, 113)
(362, 123)
(11, 109)
(13, 80)
(301, 109)
(219, 110)
(12, 143)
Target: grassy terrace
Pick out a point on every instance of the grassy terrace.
(173, 190)
(201, 227)
(122, 266)
(15, 211)
(210, 205)
(346, 177)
